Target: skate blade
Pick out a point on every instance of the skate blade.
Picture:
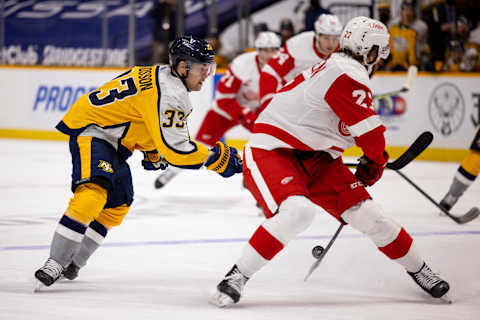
(37, 285)
(446, 299)
(221, 300)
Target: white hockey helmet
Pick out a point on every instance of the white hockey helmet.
(361, 34)
(328, 24)
(267, 39)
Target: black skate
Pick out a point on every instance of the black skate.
(229, 290)
(48, 274)
(71, 272)
(431, 282)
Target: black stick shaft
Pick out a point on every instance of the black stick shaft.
(332, 240)
(426, 195)
(319, 259)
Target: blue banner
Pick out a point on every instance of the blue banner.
(196, 12)
(70, 32)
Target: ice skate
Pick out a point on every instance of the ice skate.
(71, 271)
(48, 274)
(229, 290)
(165, 177)
(431, 283)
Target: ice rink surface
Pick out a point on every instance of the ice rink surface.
(176, 244)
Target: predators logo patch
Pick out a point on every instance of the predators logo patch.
(107, 167)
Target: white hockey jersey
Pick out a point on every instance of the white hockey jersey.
(327, 107)
(297, 54)
(238, 87)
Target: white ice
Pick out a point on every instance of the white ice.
(176, 244)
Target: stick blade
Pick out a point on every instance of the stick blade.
(313, 267)
(418, 146)
(469, 216)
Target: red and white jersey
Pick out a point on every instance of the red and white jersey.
(297, 54)
(238, 87)
(327, 107)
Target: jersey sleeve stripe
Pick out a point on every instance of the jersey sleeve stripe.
(266, 98)
(365, 125)
(220, 95)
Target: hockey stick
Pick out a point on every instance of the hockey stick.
(411, 76)
(322, 252)
(417, 147)
(467, 217)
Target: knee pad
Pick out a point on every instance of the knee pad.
(112, 217)
(367, 218)
(87, 202)
(295, 214)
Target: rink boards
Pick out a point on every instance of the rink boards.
(34, 99)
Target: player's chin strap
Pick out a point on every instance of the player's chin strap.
(371, 66)
(183, 78)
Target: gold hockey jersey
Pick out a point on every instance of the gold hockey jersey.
(402, 46)
(145, 108)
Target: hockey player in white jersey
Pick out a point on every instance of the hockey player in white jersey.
(236, 97)
(299, 53)
(292, 162)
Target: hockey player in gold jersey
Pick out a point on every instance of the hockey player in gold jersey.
(146, 109)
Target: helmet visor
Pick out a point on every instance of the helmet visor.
(203, 69)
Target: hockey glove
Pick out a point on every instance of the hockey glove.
(225, 160)
(370, 172)
(247, 119)
(153, 161)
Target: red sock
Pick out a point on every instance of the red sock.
(265, 244)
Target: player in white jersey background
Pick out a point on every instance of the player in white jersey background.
(292, 162)
(236, 97)
(299, 53)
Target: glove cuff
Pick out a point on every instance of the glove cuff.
(218, 162)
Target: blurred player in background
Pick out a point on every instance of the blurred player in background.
(236, 98)
(467, 173)
(299, 53)
(146, 109)
(292, 162)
